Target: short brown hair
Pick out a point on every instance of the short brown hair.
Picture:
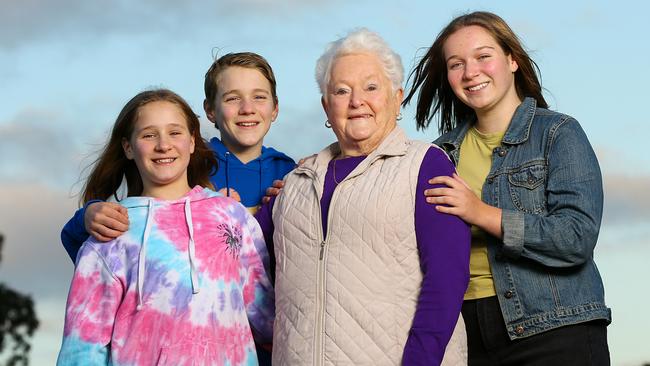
(430, 75)
(113, 166)
(248, 60)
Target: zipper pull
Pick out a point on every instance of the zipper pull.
(322, 248)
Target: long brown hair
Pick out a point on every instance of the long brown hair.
(112, 166)
(430, 75)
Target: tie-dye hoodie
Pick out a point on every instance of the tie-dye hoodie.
(185, 285)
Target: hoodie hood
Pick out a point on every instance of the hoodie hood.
(250, 180)
(195, 194)
(151, 205)
(268, 153)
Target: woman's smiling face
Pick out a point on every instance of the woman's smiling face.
(360, 103)
(479, 72)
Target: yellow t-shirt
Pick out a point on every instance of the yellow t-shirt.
(473, 166)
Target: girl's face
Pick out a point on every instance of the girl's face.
(161, 145)
(479, 72)
(244, 108)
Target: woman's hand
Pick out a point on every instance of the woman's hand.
(273, 191)
(106, 221)
(458, 199)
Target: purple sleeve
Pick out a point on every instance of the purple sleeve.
(264, 217)
(444, 247)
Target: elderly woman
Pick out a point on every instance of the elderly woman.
(367, 272)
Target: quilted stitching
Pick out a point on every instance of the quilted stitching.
(371, 260)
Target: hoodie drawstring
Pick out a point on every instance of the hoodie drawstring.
(190, 246)
(227, 183)
(143, 251)
(260, 175)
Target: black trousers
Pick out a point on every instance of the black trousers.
(489, 344)
(263, 356)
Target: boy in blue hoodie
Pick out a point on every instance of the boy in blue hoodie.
(241, 100)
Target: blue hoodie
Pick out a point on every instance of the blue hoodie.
(250, 180)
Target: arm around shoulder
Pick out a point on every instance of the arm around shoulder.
(74, 232)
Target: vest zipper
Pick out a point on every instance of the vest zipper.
(320, 314)
(322, 248)
(321, 290)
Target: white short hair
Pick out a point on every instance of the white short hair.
(360, 40)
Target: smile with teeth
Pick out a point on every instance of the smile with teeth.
(164, 160)
(247, 124)
(477, 87)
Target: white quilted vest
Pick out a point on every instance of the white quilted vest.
(350, 300)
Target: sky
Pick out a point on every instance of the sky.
(68, 67)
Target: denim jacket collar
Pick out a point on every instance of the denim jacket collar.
(518, 131)
(519, 128)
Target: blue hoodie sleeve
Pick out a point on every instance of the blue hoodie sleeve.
(287, 166)
(74, 232)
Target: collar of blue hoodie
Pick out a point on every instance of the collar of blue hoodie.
(151, 204)
(229, 164)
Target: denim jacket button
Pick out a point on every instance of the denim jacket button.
(490, 180)
(519, 330)
(508, 294)
(502, 152)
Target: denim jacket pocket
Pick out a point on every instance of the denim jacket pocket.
(527, 187)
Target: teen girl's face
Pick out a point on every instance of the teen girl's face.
(243, 110)
(161, 145)
(478, 70)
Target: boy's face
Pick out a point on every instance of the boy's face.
(243, 109)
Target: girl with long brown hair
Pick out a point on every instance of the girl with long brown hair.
(186, 282)
(531, 188)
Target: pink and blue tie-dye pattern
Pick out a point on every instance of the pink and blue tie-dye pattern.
(174, 326)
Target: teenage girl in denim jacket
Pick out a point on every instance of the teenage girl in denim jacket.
(531, 189)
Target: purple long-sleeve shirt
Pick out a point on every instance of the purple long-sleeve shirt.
(444, 245)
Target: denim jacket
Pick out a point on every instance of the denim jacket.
(546, 179)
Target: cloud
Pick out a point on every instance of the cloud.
(626, 179)
(34, 262)
(37, 146)
(31, 218)
(38, 20)
(627, 199)
(623, 162)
